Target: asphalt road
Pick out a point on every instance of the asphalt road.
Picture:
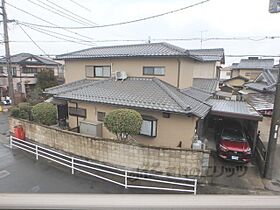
(21, 173)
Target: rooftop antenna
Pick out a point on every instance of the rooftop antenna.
(201, 38)
(149, 40)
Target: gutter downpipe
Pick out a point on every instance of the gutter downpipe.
(179, 72)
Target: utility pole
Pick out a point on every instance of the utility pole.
(273, 135)
(275, 121)
(7, 51)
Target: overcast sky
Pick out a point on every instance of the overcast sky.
(216, 18)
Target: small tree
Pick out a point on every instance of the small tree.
(44, 113)
(22, 110)
(123, 122)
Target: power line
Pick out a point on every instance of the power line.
(32, 40)
(56, 11)
(46, 21)
(57, 33)
(78, 16)
(46, 33)
(125, 22)
(80, 5)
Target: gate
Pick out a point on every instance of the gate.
(260, 154)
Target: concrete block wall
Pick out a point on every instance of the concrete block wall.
(180, 162)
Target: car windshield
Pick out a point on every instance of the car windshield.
(233, 134)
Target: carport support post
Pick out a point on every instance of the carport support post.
(255, 125)
(273, 135)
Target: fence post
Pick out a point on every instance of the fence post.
(36, 148)
(125, 179)
(72, 165)
(195, 186)
(11, 142)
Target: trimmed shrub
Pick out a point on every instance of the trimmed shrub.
(22, 110)
(14, 111)
(123, 122)
(44, 113)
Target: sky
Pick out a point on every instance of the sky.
(246, 19)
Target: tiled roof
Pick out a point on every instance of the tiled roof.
(235, 109)
(145, 50)
(266, 81)
(68, 87)
(261, 101)
(254, 64)
(22, 57)
(137, 50)
(237, 77)
(196, 93)
(216, 54)
(147, 93)
(207, 85)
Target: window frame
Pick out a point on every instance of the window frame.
(154, 122)
(153, 67)
(94, 71)
(98, 119)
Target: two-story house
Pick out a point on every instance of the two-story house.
(25, 66)
(251, 68)
(152, 76)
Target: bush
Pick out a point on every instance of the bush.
(44, 113)
(22, 110)
(123, 122)
(15, 112)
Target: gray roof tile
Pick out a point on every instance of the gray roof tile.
(145, 50)
(196, 93)
(207, 85)
(148, 93)
(252, 63)
(216, 54)
(22, 57)
(236, 109)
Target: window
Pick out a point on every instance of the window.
(149, 126)
(157, 71)
(247, 74)
(77, 112)
(98, 71)
(101, 116)
(28, 70)
(228, 74)
(14, 71)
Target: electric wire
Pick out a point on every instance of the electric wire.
(74, 14)
(56, 11)
(125, 22)
(26, 12)
(33, 41)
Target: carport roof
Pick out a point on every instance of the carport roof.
(234, 109)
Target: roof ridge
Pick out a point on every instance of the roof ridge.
(204, 102)
(177, 99)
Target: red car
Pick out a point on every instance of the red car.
(232, 143)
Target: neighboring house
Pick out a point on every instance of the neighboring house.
(251, 68)
(170, 116)
(225, 73)
(164, 83)
(260, 93)
(25, 66)
(167, 62)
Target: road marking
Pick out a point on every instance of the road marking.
(34, 189)
(4, 173)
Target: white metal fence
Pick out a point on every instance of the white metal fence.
(122, 177)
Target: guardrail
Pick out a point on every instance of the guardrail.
(122, 177)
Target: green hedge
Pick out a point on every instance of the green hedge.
(44, 113)
(22, 110)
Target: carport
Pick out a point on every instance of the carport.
(237, 110)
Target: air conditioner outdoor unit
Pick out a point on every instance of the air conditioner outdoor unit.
(91, 128)
(121, 75)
